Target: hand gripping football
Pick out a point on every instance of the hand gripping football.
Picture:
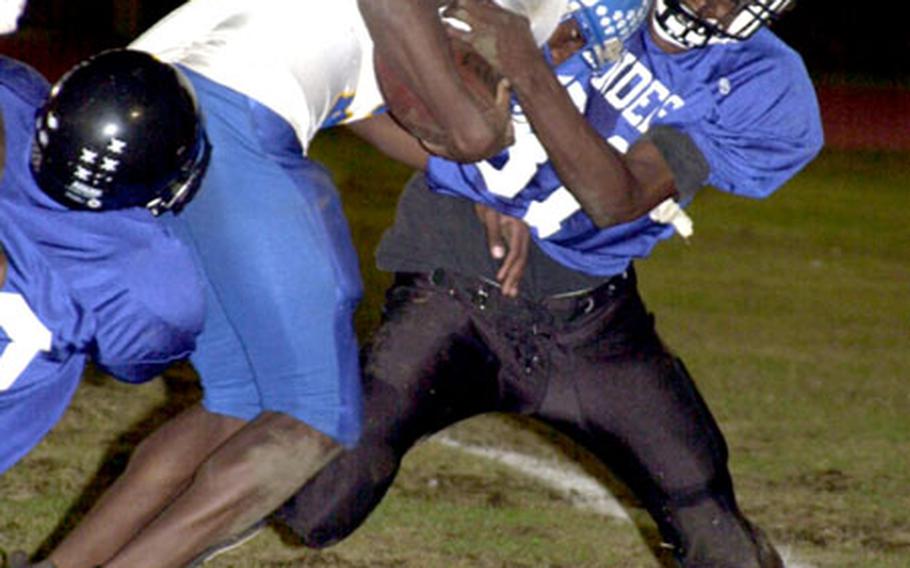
(412, 114)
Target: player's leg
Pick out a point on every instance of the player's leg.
(159, 469)
(165, 463)
(281, 300)
(275, 247)
(426, 369)
(251, 473)
(636, 407)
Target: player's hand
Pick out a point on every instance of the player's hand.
(501, 114)
(499, 120)
(501, 36)
(508, 240)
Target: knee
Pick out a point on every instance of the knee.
(239, 473)
(341, 496)
(273, 457)
(154, 468)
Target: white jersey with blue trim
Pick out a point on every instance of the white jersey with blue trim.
(112, 286)
(310, 62)
(749, 107)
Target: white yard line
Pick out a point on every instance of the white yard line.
(582, 490)
(578, 487)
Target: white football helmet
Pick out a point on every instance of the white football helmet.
(677, 22)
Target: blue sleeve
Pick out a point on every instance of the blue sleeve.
(154, 319)
(24, 82)
(767, 126)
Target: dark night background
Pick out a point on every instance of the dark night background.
(859, 63)
(836, 37)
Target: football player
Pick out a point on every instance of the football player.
(701, 94)
(118, 142)
(410, 36)
(278, 357)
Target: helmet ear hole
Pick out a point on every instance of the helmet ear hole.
(121, 129)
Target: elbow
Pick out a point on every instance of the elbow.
(605, 215)
(477, 133)
(475, 142)
(605, 219)
(602, 221)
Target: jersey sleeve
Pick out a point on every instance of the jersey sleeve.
(152, 320)
(767, 126)
(23, 81)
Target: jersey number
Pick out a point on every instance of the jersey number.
(525, 158)
(27, 335)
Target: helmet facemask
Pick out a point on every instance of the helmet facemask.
(677, 22)
(183, 188)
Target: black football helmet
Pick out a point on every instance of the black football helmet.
(121, 129)
(681, 23)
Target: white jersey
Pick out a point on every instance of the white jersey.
(10, 10)
(305, 60)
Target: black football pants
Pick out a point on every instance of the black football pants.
(591, 365)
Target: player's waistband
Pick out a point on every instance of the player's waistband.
(484, 294)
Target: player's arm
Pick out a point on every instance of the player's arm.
(2, 266)
(611, 187)
(384, 134)
(411, 36)
(507, 237)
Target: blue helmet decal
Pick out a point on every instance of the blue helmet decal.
(605, 24)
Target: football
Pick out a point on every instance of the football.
(479, 78)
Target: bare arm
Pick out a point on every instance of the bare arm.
(410, 34)
(2, 266)
(611, 187)
(386, 136)
(508, 238)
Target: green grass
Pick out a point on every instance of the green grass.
(792, 314)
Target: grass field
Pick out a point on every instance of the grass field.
(793, 315)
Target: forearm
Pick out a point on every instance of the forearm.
(2, 265)
(410, 35)
(611, 187)
(386, 136)
(600, 178)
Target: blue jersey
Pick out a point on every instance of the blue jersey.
(114, 286)
(748, 106)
